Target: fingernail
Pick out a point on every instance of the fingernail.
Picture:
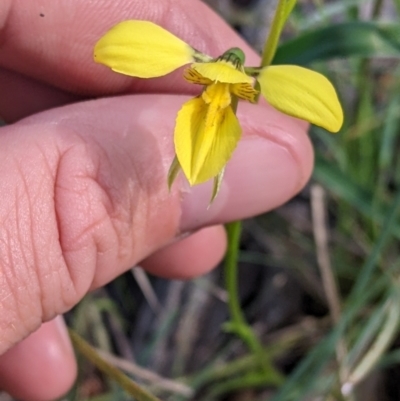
(261, 175)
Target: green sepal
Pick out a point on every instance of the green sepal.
(173, 171)
(216, 185)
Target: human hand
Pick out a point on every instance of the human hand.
(84, 193)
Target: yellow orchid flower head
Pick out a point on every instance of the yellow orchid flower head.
(207, 130)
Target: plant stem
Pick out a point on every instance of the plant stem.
(238, 324)
(282, 12)
(231, 276)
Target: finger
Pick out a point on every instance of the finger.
(85, 195)
(190, 257)
(26, 96)
(58, 46)
(42, 367)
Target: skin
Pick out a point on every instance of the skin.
(83, 184)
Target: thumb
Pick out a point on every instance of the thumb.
(85, 196)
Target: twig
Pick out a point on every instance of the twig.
(320, 231)
(147, 375)
(145, 285)
(381, 344)
(321, 242)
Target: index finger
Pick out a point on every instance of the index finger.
(53, 41)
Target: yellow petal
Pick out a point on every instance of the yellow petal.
(221, 71)
(204, 143)
(142, 49)
(302, 93)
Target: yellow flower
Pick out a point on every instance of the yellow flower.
(207, 130)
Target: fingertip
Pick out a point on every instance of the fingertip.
(190, 257)
(42, 367)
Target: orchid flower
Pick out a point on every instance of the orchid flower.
(207, 130)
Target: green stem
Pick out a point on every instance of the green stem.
(111, 371)
(282, 12)
(231, 267)
(238, 324)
